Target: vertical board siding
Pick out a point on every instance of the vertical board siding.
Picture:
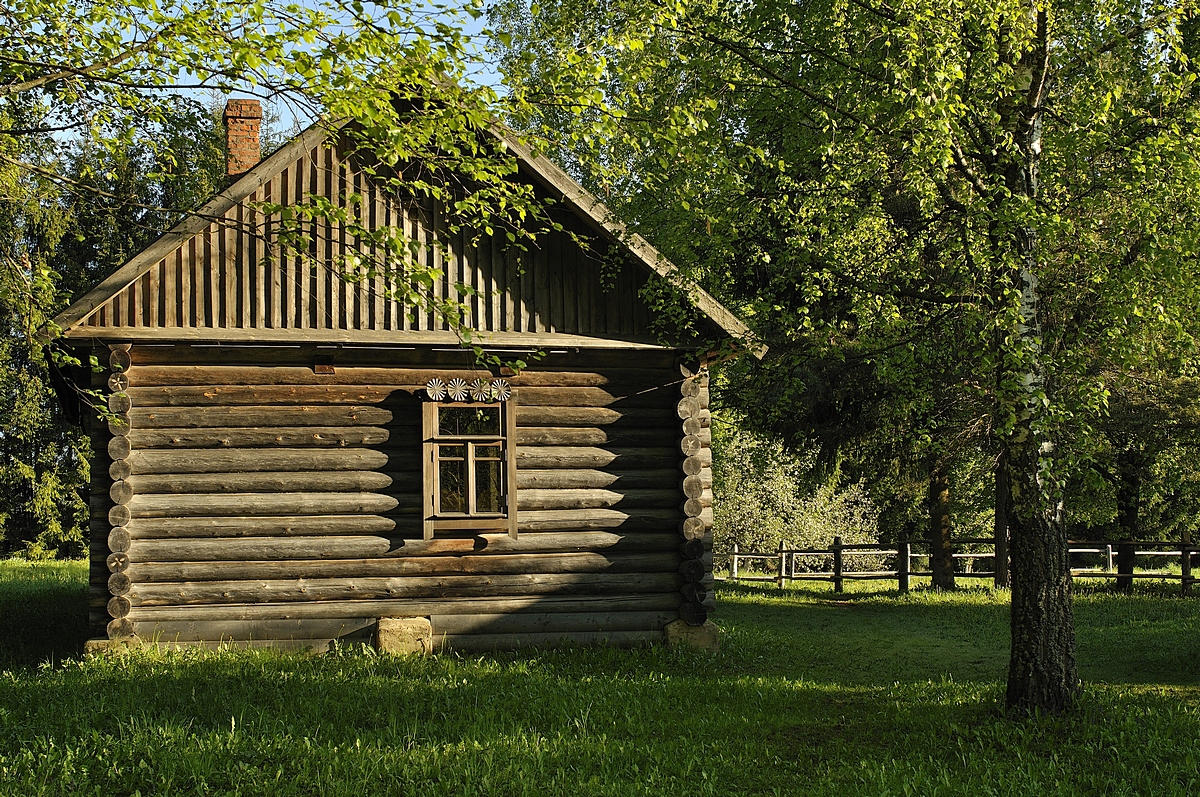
(228, 544)
(235, 275)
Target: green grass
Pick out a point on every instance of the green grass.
(863, 694)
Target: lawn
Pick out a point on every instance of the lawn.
(865, 694)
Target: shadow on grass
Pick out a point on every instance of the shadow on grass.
(43, 612)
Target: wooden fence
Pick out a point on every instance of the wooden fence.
(1116, 562)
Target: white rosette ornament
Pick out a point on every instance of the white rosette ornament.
(458, 389)
(481, 390)
(501, 391)
(435, 389)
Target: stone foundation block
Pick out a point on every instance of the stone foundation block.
(404, 635)
(702, 637)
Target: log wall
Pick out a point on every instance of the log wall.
(246, 497)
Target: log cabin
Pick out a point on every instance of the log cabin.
(292, 458)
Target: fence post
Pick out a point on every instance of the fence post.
(902, 561)
(1108, 565)
(837, 564)
(1185, 565)
(782, 566)
(733, 563)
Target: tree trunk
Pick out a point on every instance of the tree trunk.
(941, 554)
(1129, 494)
(1001, 523)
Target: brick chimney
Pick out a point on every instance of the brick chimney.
(242, 147)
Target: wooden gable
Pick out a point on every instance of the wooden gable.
(220, 274)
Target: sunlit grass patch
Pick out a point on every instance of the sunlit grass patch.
(811, 693)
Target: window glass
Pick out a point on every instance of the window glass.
(488, 489)
(452, 482)
(468, 421)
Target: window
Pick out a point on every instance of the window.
(469, 467)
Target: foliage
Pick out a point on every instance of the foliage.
(1010, 188)
(808, 695)
(765, 494)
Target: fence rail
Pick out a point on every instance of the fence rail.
(1118, 562)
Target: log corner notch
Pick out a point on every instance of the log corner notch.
(120, 627)
(695, 445)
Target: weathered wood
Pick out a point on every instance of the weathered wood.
(694, 592)
(693, 613)
(693, 507)
(595, 499)
(241, 437)
(579, 457)
(691, 445)
(255, 416)
(118, 607)
(687, 408)
(598, 519)
(697, 486)
(119, 583)
(120, 403)
(119, 470)
(692, 570)
(635, 396)
(118, 540)
(120, 492)
(592, 436)
(662, 601)
(118, 424)
(257, 395)
(544, 622)
(396, 567)
(349, 374)
(264, 526)
(118, 356)
(364, 546)
(462, 586)
(119, 447)
(491, 642)
(193, 505)
(118, 382)
(120, 628)
(347, 481)
(119, 515)
(117, 562)
(692, 549)
(693, 466)
(528, 416)
(565, 479)
(166, 632)
(275, 459)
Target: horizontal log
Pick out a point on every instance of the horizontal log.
(376, 547)
(549, 622)
(281, 459)
(529, 416)
(634, 396)
(118, 607)
(588, 457)
(469, 586)
(490, 642)
(663, 601)
(234, 630)
(119, 447)
(287, 415)
(251, 395)
(298, 352)
(201, 375)
(193, 505)
(595, 499)
(119, 540)
(660, 520)
(565, 479)
(119, 403)
(117, 562)
(346, 481)
(243, 437)
(592, 436)
(264, 526)
(396, 567)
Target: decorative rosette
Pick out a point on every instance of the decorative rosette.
(458, 389)
(481, 390)
(501, 390)
(435, 389)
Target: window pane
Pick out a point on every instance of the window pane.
(452, 485)
(487, 452)
(458, 421)
(488, 489)
(455, 451)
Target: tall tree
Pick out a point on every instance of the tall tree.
(776, 139)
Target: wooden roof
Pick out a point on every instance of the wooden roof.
(213, 278)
